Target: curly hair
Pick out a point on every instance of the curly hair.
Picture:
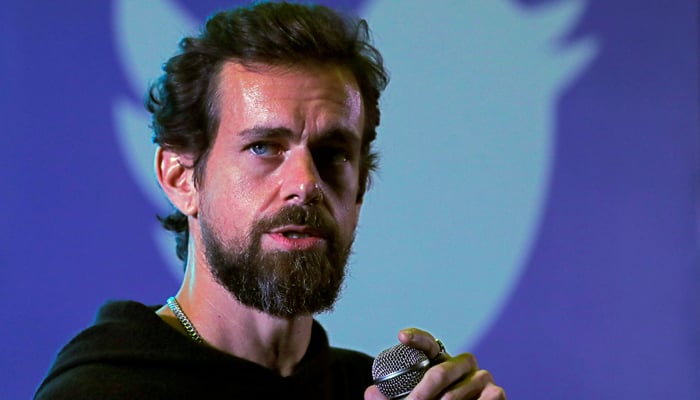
(183, 102)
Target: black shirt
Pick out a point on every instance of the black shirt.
(130, 353)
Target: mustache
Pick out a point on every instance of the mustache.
(311, 217)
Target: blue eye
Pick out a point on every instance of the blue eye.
(263, 149)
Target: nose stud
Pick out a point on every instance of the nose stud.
(319, 190)
(314, 195)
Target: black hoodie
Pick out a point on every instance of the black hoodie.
(130, 353)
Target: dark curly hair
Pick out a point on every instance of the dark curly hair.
(183, 101)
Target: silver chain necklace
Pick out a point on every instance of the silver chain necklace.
(186, 323)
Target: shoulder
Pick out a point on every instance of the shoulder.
(89, 365)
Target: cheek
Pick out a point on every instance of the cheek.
(240, 194)
(356, 215)
(350, 208)
(347, 183)
(349, 218)
(228, 202)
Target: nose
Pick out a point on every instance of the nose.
(301, 182)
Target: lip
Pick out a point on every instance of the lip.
(298, 228)
(278, 240)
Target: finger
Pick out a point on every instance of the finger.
(373, 393)
(453, 373)
(421, 340)
(478, 385)
(493, 392)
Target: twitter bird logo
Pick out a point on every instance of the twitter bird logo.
(466, 140)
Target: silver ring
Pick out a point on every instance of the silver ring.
(442, 353)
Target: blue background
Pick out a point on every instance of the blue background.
(606, 303)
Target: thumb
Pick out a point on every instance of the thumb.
(373, 393)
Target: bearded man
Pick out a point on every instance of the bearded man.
(264, 124)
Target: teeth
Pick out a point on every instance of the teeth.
(295, 235)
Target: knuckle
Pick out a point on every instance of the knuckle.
(437, 376)
(484, 376)
(467, 360)
(471, 360)
(494, 392)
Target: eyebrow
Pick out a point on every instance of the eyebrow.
(262, 132)
(339, 135)
(333, 134)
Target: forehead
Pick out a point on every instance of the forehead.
(300, 98)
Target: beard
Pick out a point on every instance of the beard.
(280, 283)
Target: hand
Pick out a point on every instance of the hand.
(456, 377)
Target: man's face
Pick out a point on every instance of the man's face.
(278, 200)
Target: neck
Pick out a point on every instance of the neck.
(227, 325)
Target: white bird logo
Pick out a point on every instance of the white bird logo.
(466, 139)
(146, 33)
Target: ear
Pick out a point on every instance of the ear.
(176, 177)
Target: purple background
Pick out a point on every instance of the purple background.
(607, 307)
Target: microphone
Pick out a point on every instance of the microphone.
(397, 370)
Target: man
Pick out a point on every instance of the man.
(264, 124)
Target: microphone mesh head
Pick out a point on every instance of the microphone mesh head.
(393, 360)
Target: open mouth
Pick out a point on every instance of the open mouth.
(295, 235)
(298, 232)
